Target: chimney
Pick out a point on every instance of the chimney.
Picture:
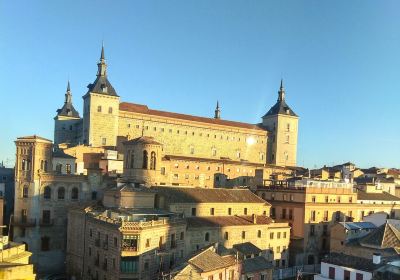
(254, 219)
(376, 258)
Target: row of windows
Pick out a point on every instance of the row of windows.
(201, 134)
(328, 199)
(217, 168)
(47, 193)
(99, 109)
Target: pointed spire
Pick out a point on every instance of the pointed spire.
(281, 92)
(217, 114)
(102, 66)
(102, 51)
(68, 96)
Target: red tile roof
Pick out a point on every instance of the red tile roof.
(143, 109)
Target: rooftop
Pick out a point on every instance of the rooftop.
(208, 260)
(143, 140)
(247, 248)
(201, 195)
(386, 236)
(357, 225)
(384, 196)
(256, 264)
(143, 109)
(218, 221)
(351, 262)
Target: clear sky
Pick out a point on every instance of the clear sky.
(340, 61)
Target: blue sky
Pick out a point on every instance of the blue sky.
(340, 61)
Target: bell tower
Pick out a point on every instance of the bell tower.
(282, 123)
(100, 109)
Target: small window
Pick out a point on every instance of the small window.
(212, 211)
(68, 168)
(207, 237)
(245, 211)
(61, 193)
(99, 109)
(74, 193)
(47, 192)
(226, 235)
(229, 211)
(45, 243)
(110, 109)
(259, 234)
(243, 235)
(25, 192)
(193, 212)
(94, 195)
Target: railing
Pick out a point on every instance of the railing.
(129, 248)
(23, 222)
(290, 272)
(46, 222)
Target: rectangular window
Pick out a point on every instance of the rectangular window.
(359, 276)
(312, 216)
(68, 168)
(331, 272)
(346, 275)
(193, 212)
(313, 198)
(283, 213)
(326, 215)
(312, 230)
(245, 211)
(104, 141)
(290, 214)
(271, 235)
(99, 109)
(162, 170)
(278, 235)
(243, 235)
(229, 211)
(212, 211)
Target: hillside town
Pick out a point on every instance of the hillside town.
(124, 191)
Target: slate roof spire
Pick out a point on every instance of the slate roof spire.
(102, 66)
(280, 107)
(68, 95)
(217, 112)
(68, 109)
(281, 92)
(102, 85)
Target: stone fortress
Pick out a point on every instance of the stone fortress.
(177, 142)
(117, 141)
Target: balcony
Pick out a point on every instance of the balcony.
(23, 222)
(46, 222)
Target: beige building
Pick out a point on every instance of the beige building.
(209, 264)
(45, 187)
(311, 207)
(152, 230)
(14, 261)
(108, 122)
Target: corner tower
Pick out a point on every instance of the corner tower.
(100, 110)
(67, 123)
(282, 124)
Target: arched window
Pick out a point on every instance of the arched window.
(153, 161)
(132, 160)
(75, 193)
(61, 193)
(207, 237)
(145, 159)
(47, 192)
(25, 192)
